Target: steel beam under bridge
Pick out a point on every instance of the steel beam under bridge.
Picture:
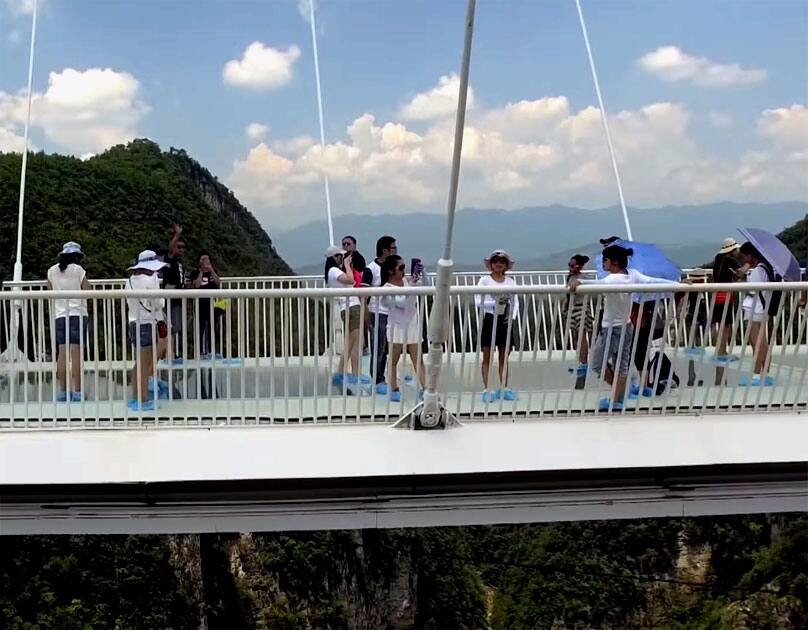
(358, 476)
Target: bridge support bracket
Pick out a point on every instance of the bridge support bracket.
(428, 415)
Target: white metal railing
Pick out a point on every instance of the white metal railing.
(462, 278)
(274, 352)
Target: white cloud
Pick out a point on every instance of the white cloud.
(560, 158)
(438, 102)
(786, 125)
(671, 63)
(82, 111)
(261, 67)
(10, 142)
(256, 131)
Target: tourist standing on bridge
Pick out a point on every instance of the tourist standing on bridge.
(174, 277)
(403, 323)
(339, 275)
(756, 306)
(147, 327)
(385, 247)
(210, 338)
(725, 270)
(611, 353)
(578, 311)
(499, 313)
(69, 320)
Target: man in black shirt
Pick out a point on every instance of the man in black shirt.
(174, 278)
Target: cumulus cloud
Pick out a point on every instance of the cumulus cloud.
(82, 111)
(438, 102)
(256, 131)
(671, 63)
(530, 152)
(261, 67)
(786, 125)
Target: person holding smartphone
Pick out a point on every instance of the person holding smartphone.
(403, 322)
(206, 277)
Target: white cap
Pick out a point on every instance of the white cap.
(147, 259)
(71, 247)
(333, 251)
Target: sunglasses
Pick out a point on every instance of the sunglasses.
(499, 260)
(401, 267)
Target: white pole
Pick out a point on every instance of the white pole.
(21, 210)
(605, 122)
(322, 125)
(439, 323)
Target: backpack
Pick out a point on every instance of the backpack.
(773, 305)
(666, 376)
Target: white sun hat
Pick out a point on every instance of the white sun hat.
(147, 259)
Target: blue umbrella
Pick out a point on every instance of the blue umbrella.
(775, 251)
(647, 259)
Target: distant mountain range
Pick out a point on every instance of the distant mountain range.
(543, 237)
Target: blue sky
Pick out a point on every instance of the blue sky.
(732, 63)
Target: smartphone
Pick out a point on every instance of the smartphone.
(416, 268)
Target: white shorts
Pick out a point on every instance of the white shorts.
(755, 316)
(404, 334)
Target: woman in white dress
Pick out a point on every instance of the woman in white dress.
(403, 322)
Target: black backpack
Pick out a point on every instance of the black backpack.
(666, 376)
(773, 305)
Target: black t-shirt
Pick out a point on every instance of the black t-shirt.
(174, 278)
(724, 268)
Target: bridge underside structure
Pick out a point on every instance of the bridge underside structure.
(212, 479)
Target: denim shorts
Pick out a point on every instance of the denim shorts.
(148, 334)
(615, 345)
(77, 330)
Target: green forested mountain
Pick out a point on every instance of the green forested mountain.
(722, 573)
(796, 237)
(121, 202)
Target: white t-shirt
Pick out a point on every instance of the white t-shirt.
(401, 308)
(68, 280)
(334, 282)
(145, 310)
(752, 304)
(617, 306)
(376, 305)
(496, 304)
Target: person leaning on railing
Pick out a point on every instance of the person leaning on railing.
(147, 328)
(69, 318)
(580, 315)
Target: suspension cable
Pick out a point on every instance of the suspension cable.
(322, 125)
(605, 122)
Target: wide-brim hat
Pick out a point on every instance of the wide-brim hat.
(729, 245)
(334, 250)
(498, 253)
(71, 247)
(147, 259)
